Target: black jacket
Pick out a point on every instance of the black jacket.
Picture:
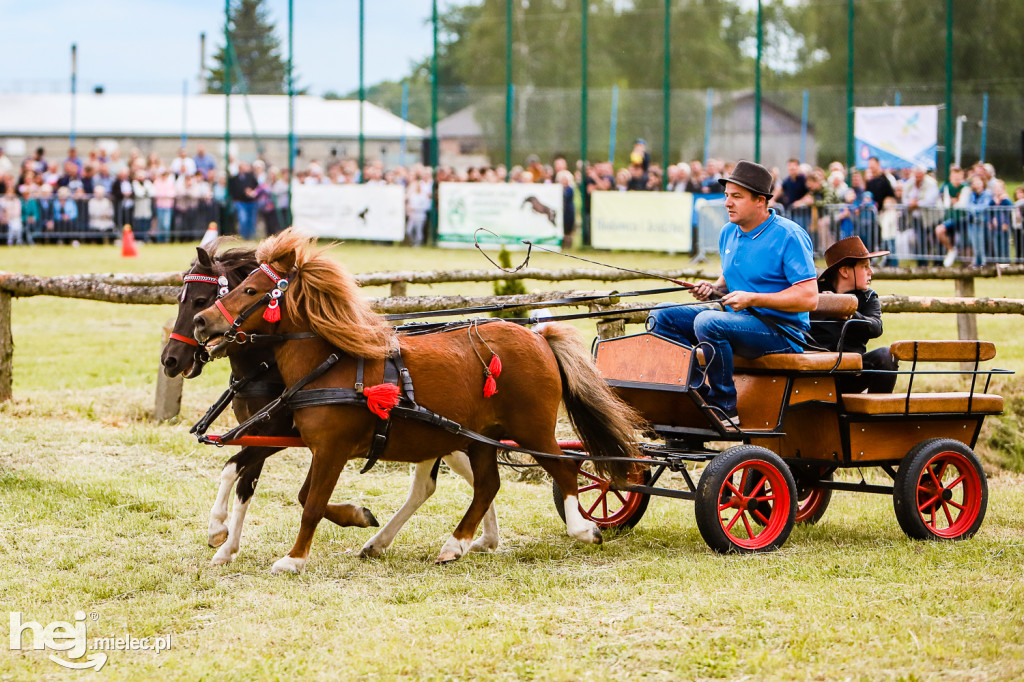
(826, 332)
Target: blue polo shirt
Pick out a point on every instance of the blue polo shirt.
(772, 257)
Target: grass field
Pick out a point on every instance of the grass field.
(104, 512)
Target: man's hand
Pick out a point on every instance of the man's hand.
(739, 300)
(703, 290)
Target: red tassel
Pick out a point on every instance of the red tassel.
(490, 386)
(381, 398)
(272, 313)
(495, 367)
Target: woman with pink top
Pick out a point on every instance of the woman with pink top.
(163, 200)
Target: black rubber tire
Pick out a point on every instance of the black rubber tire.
(718, 484)
(627, 516)
(962, 506)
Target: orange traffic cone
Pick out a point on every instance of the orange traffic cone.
(128, 249)
(210, 236)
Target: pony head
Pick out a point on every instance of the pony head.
(310, 292)
(210, 276)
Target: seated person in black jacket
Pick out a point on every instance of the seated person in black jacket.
(848, 271)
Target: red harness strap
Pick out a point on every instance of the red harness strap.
(184, 339)
(224, 311)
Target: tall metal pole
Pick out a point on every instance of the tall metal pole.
(850, 160)
(434, 156)
(405, 119)
(585, 4)
(184, 112)
(227, 105)
(74, 88)
(291, 107)
(666, 96)
(949, 85)
(614, 123)
(757, 85)
(803, 127)
(362, 89)
(709, 119)
(984, 125)
(508, 87)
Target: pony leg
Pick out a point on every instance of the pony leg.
(229, 475)
(488, 540)
(243, 496)
(564, 474)
(345, 514)
(486, 482)
(320, 482)
(424, 482)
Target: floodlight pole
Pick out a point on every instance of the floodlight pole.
(757, 84)
(666, 97)
(850, 160)
(949, 85)
(433, 126)
(74, 87)
(362, 89)
(291, 107)
(585, 4)
(227, 109)
(508, 87)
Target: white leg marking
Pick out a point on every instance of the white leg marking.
(578, 527)
(227, 552)
(488, 541)
(420, 490)
(287, 564)
(452, 550)
(218, 532)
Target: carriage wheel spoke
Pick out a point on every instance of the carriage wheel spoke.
(945, 510)
(929, 503)
(598, 501)
(731, 523)
(761, 516)
(593, 486)
(750, 532)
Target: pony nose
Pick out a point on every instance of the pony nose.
(170, 362)
(200, 327)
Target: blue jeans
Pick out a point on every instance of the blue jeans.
(246, 219)
(727, 333)
(164, 216)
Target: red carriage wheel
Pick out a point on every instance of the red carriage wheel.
(601, 504)
(735, 515)
(940, 492)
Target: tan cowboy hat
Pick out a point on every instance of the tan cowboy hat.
(851, 248)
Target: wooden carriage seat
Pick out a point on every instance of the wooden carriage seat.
(925, 403)
(830, 306)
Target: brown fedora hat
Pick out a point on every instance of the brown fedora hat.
(851, 248)
(752, 176)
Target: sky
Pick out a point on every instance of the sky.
(152, 46)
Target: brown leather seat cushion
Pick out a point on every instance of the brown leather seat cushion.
(807, 362)
(920, 403)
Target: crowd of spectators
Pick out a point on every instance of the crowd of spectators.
(969, 217)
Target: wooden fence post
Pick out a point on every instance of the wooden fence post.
(168, 390)
(6, 348)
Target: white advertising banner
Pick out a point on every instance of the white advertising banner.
(900, 137)
(642, 221)
(512, 211)
(375, 212)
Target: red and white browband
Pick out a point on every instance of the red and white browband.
(221, 282)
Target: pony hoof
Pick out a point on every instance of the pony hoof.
(482, 545)
(221, 559)
(596, 537)
(288, 565)
(447, 557)
(371, 520)
(370, 552)
(217, 538)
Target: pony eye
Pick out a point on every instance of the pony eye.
(249, 291)
(202, 301)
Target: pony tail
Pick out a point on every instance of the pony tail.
(607, 425)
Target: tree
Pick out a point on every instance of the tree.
(255, 54)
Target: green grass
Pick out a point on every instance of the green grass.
(104, 511)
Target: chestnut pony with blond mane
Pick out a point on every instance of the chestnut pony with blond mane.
(448, 371)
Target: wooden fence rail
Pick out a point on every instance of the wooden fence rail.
(163, 288)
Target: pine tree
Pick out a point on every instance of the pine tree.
(256, 54)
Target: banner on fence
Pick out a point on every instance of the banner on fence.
(374, 212)
(642, 221)
(901, 137)
(512, 211)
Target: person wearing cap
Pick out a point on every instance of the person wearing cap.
(848, 271)
(767, 288)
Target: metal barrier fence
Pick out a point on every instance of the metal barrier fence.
(55, 222)
(994, 234)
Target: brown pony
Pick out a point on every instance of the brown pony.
(242, 471)
(448, 372)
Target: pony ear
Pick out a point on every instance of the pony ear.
(204, 257)
(284, 263)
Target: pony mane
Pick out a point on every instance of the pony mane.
(327, 296)
(236, 263)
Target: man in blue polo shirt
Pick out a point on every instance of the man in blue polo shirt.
(767, 287)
